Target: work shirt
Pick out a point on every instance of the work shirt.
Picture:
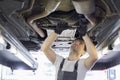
(68, 66)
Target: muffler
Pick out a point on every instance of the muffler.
(84, 6)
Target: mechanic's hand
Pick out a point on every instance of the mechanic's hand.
(61, 26)
(82, 30)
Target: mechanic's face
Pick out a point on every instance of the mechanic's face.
(77, 46)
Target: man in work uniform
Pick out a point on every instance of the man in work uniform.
(72, 67)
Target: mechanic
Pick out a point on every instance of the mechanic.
(72, 67)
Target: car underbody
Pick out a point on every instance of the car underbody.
(27, 23)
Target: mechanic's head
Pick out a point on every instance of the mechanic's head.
(78, 46)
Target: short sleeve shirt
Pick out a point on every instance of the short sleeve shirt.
(69, 66)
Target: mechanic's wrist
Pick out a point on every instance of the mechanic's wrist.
(57, 32)
(84, 35)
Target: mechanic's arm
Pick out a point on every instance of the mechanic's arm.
(92, 51)
(90, 47)
(46, 47)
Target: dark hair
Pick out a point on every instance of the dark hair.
(81, 40)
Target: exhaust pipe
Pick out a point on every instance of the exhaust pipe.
(37, 29)
(50, 7)
(84, 6)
